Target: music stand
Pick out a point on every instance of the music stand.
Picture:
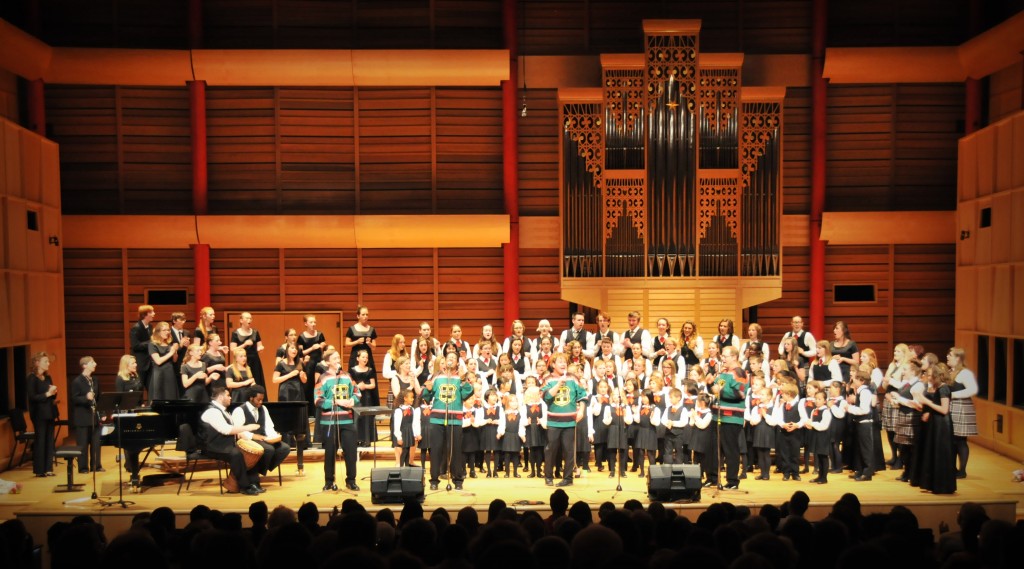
(372, 411)
(111, 404)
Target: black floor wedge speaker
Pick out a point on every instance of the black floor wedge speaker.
(676, 482)
(396, 485)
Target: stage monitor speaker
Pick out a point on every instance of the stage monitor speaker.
(396, 485)
(676, 482)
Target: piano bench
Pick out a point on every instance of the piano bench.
(69, 454)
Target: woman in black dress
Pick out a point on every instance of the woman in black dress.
(844, 350)
(163, 385)
(42, 409)
(248, 338)
(361, 336)
(216, 365)
(207, 324)
(289, 376)
(365, 378)
(311, 343)
(194, 377)
(934, 468)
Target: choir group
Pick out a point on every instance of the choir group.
(547, 404)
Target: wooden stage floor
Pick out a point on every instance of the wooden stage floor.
(39, 506)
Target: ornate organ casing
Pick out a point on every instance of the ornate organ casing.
(671, 184)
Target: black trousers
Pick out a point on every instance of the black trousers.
(865, 449)
(88, 439)
(446, 452)
(672, 448)
(42, 452)
(730, 437)
(561, 445)
(273, 455)
(331, 436)
(787, 451)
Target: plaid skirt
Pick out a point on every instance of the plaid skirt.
(965, 422)
(890, 411)
(907, 424)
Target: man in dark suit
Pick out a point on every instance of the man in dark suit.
(179, 336)
(85, 390)
(139, 336)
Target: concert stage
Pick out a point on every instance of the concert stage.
(38, 506)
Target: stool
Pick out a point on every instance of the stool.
(69, 454)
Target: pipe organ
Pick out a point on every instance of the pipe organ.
(671, 183)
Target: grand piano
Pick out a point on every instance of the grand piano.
(157, 425)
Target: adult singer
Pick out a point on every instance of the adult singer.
(566, 401)
(253, 412)
(730, 388)
(85, 390)
(335, 397)
(446, 393)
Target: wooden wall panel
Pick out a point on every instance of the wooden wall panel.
(469, 151)
(394, 151)
(470, 285)
(241, 153)
(397, 286)
(539, 294)
(538, 153)
(83, 121)
(924, 299)
(320, 279)
(316, 149)
(796, 151)
(96, 317)
(156, 150)
(892, 147)
(244, 279)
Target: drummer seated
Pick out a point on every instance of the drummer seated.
(219, 434)
(253, 412)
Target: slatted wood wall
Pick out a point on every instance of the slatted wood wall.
(547, 26)
(127, 150)
(796, 151)
(401, 287)
(914, 304)
(539, 132)
(893, 147)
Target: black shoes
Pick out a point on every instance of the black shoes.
(433, 485)
(549, 482)
(733, 486)
(862, 478)
(251, 491)
(330, 486)
(458, 485)
(352, 486)
(564, 482)
(796, 477)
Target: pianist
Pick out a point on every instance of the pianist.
(219, 433)
(252, 412)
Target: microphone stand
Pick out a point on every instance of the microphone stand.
(120, 470)
(450, 434)
(620, 461)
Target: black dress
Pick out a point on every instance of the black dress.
(214, 360)
(935, 468)
(315, 356)
(291, 388)
(846, 351)
(252, 353)
(196, 392)
(353, 334)
(366, 426)
(162, 383)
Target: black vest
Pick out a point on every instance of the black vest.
(215, 441)
(635, 339)
(250, 419)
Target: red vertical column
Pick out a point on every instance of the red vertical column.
(819, 106)
(201, 268)
(510, 154)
